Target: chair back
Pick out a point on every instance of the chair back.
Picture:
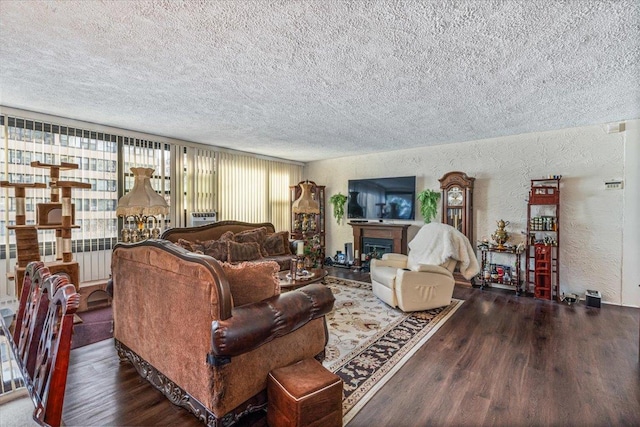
(54, 347)
(30, 316)
(43, 338)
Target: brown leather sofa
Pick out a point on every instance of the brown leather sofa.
(176, 321)
(215, 231)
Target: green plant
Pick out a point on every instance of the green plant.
(338, 201)
(428, 200)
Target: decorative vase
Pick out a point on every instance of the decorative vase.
(501, 236)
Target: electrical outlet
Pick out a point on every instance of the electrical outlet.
(613, 185)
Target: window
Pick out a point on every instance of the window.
(51, 143)
(250, 188)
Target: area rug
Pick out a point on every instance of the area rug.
(369, 341)
(96, 325)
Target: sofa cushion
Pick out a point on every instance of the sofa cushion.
(237, 252)
(277, 243)
(190, 246)
(217, 248)
(252, 281)
(257, 235)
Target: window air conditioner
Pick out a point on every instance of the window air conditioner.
(202, 218)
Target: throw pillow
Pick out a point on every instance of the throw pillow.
(277, 243)
(190, 246)
(256, 235)
(217, 248)
(287, 243)
(237, 252)
(227, 235)
(251, 282)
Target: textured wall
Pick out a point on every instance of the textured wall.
(590, 216)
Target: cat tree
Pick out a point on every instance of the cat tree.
(58, 215)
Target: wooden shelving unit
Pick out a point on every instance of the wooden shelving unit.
(543, 239)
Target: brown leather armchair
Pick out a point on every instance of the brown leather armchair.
(175, 320)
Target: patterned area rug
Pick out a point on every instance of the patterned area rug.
(369, 341)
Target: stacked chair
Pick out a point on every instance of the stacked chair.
(42, 339)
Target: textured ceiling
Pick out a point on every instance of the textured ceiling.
(307, 80)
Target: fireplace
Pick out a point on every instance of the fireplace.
(376, 247)
(393, 237)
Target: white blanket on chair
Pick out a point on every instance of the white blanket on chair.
(436, 243)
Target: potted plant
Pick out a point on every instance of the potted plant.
(428, 200)
(338, 201)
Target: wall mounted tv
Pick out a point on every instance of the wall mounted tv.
(382, 198)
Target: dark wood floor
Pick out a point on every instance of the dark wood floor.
(500, 360)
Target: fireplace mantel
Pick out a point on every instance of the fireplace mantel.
(395, 232)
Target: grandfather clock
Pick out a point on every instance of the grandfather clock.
(457, 202)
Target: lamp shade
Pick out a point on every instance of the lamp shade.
(142, 200)
(305, 203)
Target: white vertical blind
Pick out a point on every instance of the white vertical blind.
(281, 176)
(255, 190)
(243, 188)
(194, 189)
(177, 189)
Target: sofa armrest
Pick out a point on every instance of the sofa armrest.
(428, 268)
(396, 260)
(253, 325)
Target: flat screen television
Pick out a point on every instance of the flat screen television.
(382, 198)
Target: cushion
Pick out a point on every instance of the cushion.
(251, 282)
(277, 243)
(217, 248)
(190, 246)
(256, 235)
(385, 276)
(237, 252)
(227, 235)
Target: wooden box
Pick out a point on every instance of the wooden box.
(304, 394)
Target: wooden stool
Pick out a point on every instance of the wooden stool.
(304, 394)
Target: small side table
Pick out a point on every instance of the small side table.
(487, 258)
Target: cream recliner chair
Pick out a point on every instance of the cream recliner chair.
(424, 279)
(422, 288)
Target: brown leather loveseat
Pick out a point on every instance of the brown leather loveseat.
(175, 319)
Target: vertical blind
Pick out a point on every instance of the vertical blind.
(195, 184)
(255, 190)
